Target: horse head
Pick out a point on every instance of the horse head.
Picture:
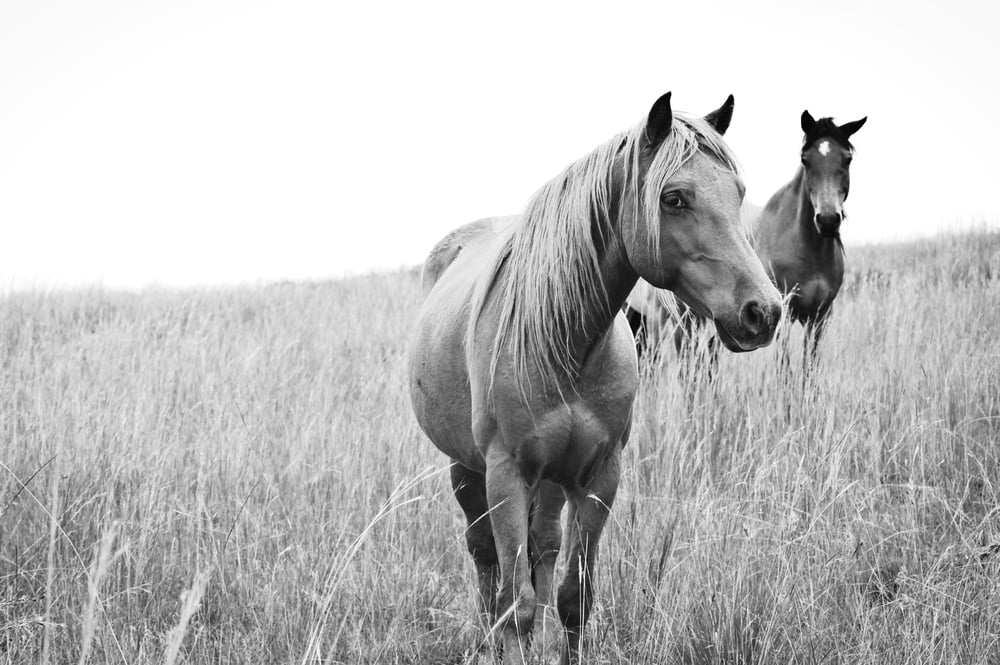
(687, 235)
(826, 161)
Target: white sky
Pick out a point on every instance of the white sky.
(204, 142)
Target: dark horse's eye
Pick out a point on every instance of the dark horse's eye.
(673, 200)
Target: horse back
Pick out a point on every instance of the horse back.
(448, 248)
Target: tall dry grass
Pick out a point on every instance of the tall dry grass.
(235, 476)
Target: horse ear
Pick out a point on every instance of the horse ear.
(808, 123)
(722, 116)
(659, 121)
(850, 127)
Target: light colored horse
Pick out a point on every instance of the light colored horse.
(522, 368)
(796, 236)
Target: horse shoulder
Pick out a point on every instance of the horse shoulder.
(602, 414)
(563, 433)
(609, 379)
(764, 237)
(770, 221)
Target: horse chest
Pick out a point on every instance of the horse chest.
(559, 443)
(813, 280)
(814, 294)
(590, 436)
(598, 416)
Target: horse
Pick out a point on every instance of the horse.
(796, 235)
(522, 368)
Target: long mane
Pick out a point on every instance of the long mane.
(547, 273)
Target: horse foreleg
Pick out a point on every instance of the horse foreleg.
(588, 511)
(509, 498)
(543, 542)
(814, 332)
(470, 490)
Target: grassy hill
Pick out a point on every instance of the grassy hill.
(236, 476)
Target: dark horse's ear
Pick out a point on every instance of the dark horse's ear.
(659, 121)
(722, 116)
(808, 123)
(850, 127)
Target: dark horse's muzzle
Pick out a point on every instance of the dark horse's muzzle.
(828, 224)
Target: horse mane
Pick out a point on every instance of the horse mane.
(827, 128)
(551, 257)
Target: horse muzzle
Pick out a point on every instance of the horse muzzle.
(828, 224)
(755, 326)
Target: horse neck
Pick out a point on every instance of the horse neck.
(599, 312)
(587, 304)
(619, 279)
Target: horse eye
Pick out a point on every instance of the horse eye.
(673, 201)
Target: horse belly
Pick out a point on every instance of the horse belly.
(441, 403)
(438, 375)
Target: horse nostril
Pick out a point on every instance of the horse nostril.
(753, 318)
(829, 219)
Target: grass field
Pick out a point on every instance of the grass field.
(236, 476)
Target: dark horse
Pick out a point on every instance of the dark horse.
(796, 236)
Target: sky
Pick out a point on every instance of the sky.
(204, 143)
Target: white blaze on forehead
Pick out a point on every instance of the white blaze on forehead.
(824, 148)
